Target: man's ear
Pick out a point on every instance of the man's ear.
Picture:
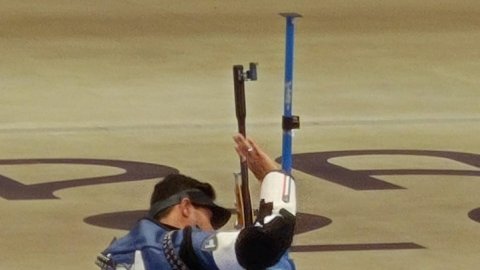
(185, 207)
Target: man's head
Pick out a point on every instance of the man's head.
(180, 201)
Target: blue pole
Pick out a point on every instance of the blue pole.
(288, 93)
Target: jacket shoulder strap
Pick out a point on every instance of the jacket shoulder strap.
(171, 254)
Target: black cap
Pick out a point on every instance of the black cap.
(220, 215)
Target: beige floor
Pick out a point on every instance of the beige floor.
(83, 82)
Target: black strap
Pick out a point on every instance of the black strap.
(170, 201)
(187, 252)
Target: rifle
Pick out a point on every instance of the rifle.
(242, 191)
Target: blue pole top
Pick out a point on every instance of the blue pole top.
(290, 14)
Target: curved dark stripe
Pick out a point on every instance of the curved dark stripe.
(353, 247)
(475, 215)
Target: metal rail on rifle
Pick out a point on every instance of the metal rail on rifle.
(242, 190)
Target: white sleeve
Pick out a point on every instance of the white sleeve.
(279, 188)
(224, 255)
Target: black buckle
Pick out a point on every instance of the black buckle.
(291, 122)
(104, 262)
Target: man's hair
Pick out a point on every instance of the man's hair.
(175, 183)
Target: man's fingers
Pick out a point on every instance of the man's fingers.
(243, 146)
(253, 145)
(240, 154)
(259, 163)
